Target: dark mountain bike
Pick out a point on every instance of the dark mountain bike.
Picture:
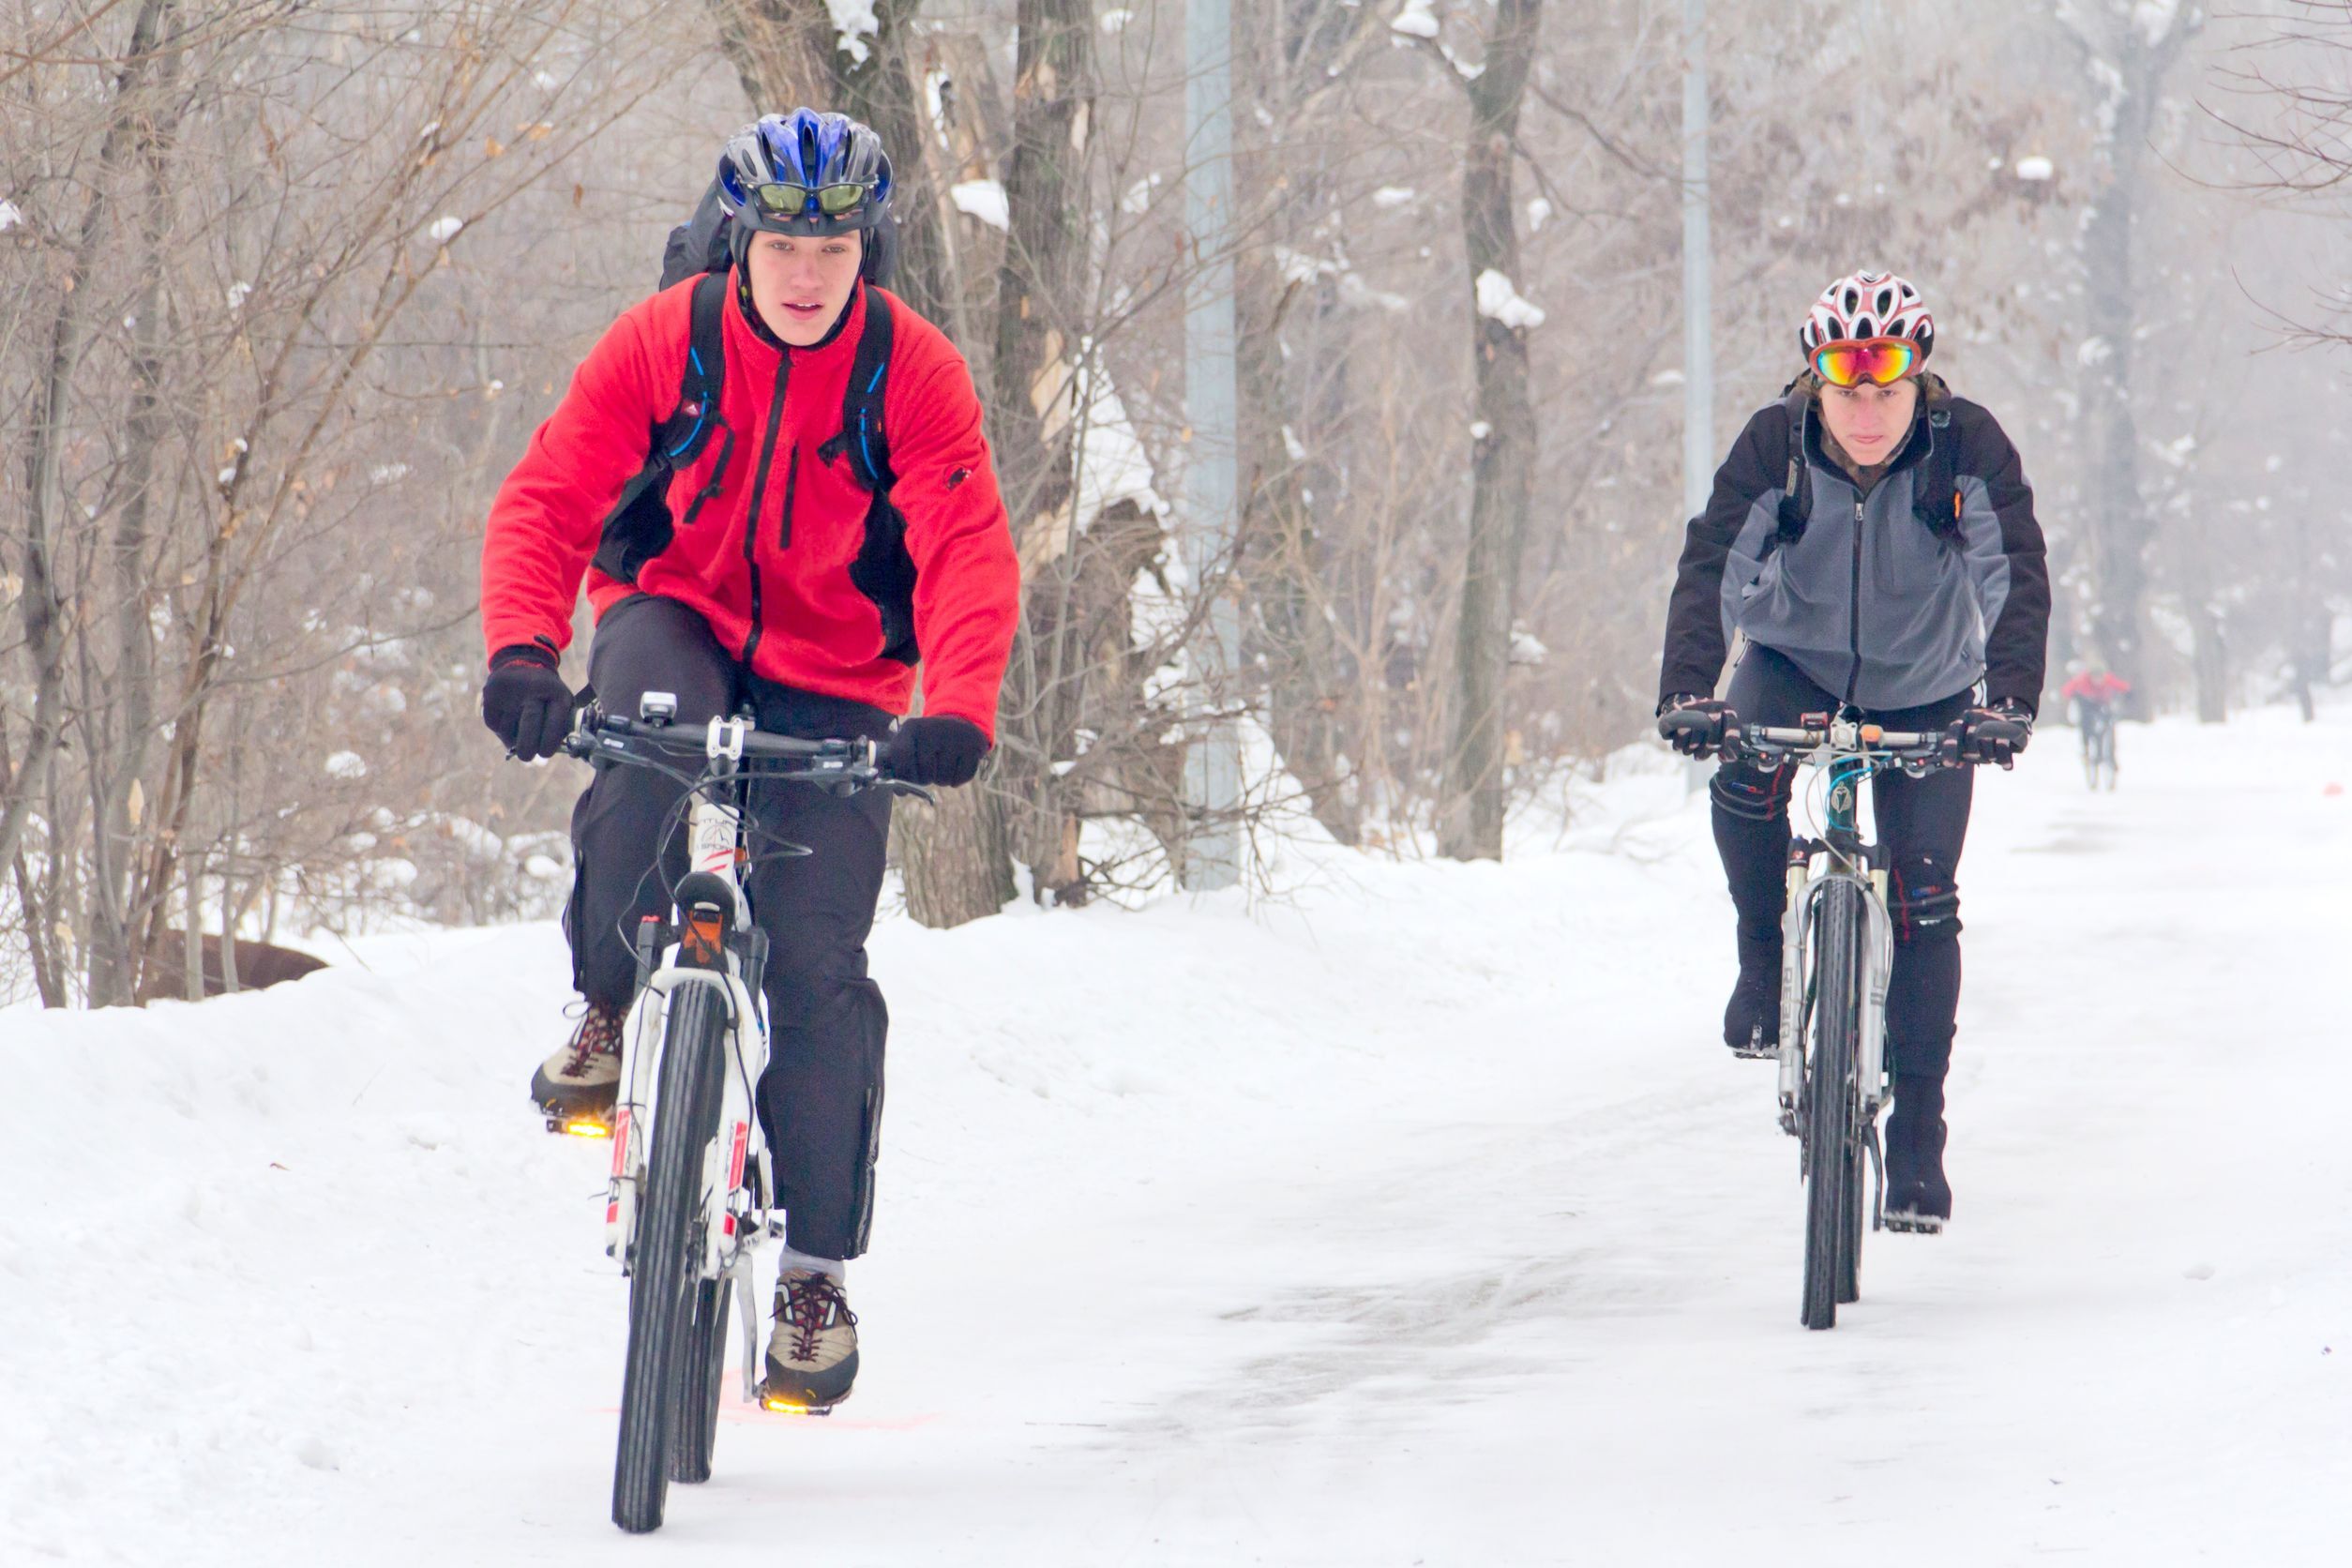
(1837, 948)
(2098, 726)
(692, 1189)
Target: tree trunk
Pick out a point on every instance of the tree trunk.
(1289, 58)
(956, 861)
(2212, 664)
(118, 927)
(1503, 455)
(44, 429)
(1034, 418)
(1280, 576)
(2119, 526)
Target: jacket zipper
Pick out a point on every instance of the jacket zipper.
(1853, 605)
(792, 489)
(758, 489)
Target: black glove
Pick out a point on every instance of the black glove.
(1997, 732)
(934, 750)
(1695, 725)
(525, 702)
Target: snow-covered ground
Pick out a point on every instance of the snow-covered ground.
(1419, 1218)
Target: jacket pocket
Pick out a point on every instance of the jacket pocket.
(1910, 559)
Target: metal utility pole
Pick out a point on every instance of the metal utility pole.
(1699, 348)
(1212, 763)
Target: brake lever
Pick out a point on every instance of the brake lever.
(900, 787)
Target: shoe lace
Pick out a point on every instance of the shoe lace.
(811, 1304)
(598, 1035)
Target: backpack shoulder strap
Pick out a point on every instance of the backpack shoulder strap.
(863, 439)
(640, 527)
(1936, 483)
(1796, 491)
(680, 437)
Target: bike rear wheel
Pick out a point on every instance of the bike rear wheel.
(666, 1257)
(1833, 1150)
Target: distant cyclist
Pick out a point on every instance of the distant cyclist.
(2092, 695)
(1873, 537)
(767, 570)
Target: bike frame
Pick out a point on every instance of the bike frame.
(1842, 856)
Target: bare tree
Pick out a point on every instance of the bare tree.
(2131, 50)
(1503, 440)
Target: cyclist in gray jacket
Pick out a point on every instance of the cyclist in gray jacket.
(1872, 538)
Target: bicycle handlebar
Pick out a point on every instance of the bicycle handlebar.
(847, 765)
(1906, 747)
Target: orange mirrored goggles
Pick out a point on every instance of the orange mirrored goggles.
(1881, 361)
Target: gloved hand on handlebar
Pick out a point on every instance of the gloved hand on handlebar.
(1695, 725)
(1997, 732)
(941, 749)
(525, 702)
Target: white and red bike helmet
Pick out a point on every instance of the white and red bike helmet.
(1866, 305)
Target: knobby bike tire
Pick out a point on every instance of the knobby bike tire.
(1832, 1177)
(663, 1268)
(702, 1358)
(700, 1376)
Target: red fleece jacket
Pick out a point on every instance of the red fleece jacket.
(783, 525)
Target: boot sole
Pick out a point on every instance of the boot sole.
(1917, 1225)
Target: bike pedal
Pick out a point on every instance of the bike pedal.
(573, 1123)
(775, 1405)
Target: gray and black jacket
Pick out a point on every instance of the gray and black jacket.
(1888, 600)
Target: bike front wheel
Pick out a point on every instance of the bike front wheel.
(699, 1377)
(1831, 1122)
(665, 1261)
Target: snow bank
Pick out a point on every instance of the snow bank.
(1400, 1216)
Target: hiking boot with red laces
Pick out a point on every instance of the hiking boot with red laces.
(812, 1355)
(583, 1077)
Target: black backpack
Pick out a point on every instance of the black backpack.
(1937, 475)
(640, 526)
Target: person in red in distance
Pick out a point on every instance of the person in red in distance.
(2091, 694)
(2095, 686)
(740, 544)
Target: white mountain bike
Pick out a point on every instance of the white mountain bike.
(1837, 949)
(693, 1187)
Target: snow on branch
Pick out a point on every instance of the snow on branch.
(1499, 299)
(1416, 19)
(984, 200)
(853, 22)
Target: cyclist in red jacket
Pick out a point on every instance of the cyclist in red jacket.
(2092, 694)
(2095, 685)
(765, 570)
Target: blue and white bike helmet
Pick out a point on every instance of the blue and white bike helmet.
(808, 173)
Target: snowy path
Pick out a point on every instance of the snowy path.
(1420, 1222)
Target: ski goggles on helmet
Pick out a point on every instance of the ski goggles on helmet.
(1879, 361)
(783, 200)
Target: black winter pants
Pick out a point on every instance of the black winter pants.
(821, 1101)
(1921, 821)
